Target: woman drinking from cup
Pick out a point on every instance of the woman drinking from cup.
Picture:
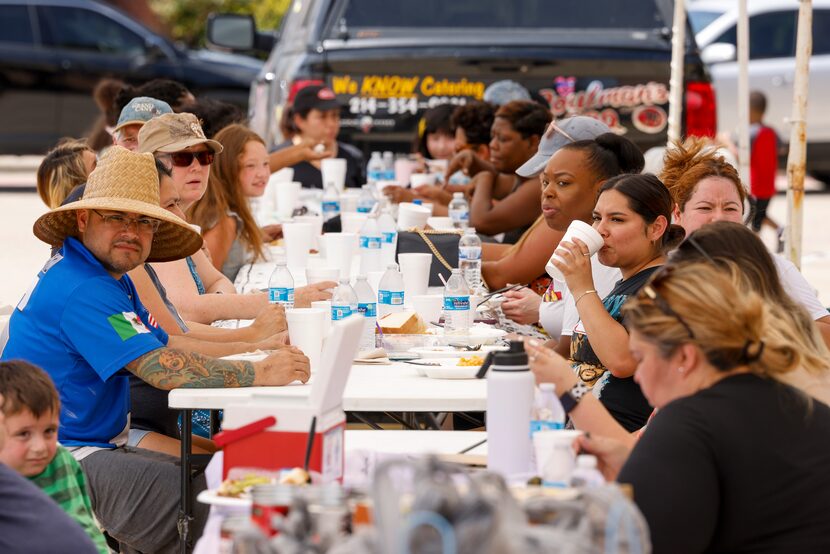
(705, 189)
(223, 213)
(632, 215)
(740, 457)
(570, 182)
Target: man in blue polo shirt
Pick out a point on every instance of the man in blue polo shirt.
(83, 323)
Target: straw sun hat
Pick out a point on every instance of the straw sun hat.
(124, 181)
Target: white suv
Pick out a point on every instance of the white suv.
(772, 38)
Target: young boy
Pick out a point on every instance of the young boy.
(31, 408)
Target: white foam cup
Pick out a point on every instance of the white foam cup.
(306, 329)
(351, 222)
(298, 238)
(415, 271)
(441, 223)
(316, 225)
(411, 215)
(403, 170)
(585, 233)
(288, 195)
(555, 455)
(324, 305)
(320, 274)
(334, 170)
(428, 306)
(341, 248)
(421, 179)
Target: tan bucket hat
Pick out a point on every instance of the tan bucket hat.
(123, 181)
(173, 132)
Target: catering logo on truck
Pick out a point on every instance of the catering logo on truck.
(643, 102)
(397, 86)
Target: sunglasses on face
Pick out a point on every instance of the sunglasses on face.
(185, 159)
(650, 291)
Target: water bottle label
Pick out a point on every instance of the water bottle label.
(456, 303)
(389, 175)
(544, 425)
(281, 295)
(469, 253)
(392, 298)
(331, 207)
(372, 243)
(459, 215)
(340, 312)
(364, 209)
(368, 309)
(374, 175)
(389, 238)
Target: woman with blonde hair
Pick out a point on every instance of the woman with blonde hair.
(706, 188)
(63, 168)
(228, 226)
(740, 457)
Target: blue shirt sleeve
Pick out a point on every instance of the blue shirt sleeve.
(105, 323)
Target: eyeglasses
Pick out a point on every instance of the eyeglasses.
(118, 221)
(660, 302)
(185, 159)
(691, 240)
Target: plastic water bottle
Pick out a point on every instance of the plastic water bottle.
(388, 166)
(469, 257)
(331, 202)
(367, 305)
(456, 303)
(389, 237)
(343, 301)
(366, 201)
(547, 412)
(586, 474)
(390, 291)
(281, 286)
(459, 211)
(510, 386)
(370, 246)
(374, 169)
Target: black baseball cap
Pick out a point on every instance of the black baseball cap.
(315, 97)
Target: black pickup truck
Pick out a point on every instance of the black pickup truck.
(387, 62)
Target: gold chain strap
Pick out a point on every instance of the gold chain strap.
(423, 234)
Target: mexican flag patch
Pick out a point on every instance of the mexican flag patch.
(127, 325)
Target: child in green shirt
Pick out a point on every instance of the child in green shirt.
(31, 407)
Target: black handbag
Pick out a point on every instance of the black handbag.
(443, 245)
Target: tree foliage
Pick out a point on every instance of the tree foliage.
(186, 19)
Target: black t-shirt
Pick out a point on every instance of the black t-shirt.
(622, 397)
(31, 522)
(312, 178)
(743, 466)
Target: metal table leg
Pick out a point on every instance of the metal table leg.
(186, 510)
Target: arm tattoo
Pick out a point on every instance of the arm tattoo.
(170, 368)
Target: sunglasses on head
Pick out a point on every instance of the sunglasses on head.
(185, 159)
(651, 293)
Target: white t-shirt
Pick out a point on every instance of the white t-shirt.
(798, 288)
(559, 316)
